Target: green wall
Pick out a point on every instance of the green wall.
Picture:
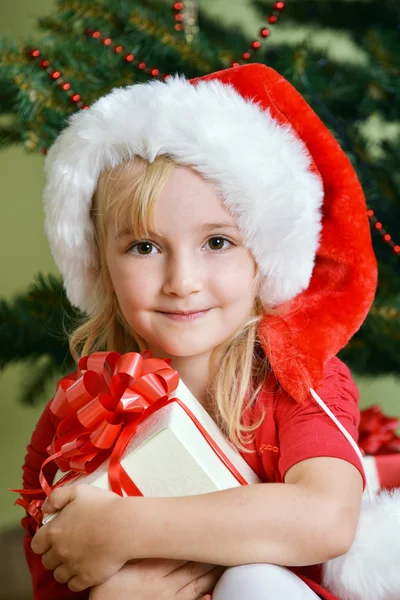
(24, 252)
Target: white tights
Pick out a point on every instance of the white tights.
(261, 582)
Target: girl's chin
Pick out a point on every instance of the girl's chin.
(184, 350)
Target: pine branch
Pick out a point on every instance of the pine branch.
(36, 323)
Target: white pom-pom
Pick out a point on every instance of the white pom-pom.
(370, 570)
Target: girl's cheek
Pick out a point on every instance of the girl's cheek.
(140, 285)
(240, 271)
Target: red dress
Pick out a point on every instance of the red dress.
(289, 434)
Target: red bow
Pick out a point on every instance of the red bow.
(99, 412)
(378, 432)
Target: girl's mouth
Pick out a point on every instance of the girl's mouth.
(185, 316)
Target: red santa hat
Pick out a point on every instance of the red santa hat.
(300, 210)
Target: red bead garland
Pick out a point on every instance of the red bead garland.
(119, 49)
(385, 235)
(178, 8)
(263, 33)
(55, 75)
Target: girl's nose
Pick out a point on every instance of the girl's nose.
(183, 275)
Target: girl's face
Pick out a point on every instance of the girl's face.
(190, 288)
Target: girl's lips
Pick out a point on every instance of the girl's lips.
(185, 317)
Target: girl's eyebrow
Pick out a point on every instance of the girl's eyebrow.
(220, 225)
(203, 228)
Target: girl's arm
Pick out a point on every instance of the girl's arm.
(310, 519)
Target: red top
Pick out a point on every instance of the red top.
(289, 434)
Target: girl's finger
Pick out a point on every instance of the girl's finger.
(202, 586)
(50, 560)
(62, 574)
(188, 573)
(58, 499)
(168, 566)
(164, 566)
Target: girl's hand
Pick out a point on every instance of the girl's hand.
(86, 543)
(159, 579)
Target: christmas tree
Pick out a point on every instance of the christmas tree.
(87, 48)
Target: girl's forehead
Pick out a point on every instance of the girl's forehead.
(183, 200)
(191, 194)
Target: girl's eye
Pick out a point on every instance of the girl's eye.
(218, 242)
(142, 248)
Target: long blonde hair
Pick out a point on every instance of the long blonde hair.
(239, 365)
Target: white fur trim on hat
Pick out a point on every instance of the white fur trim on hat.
(262, 169)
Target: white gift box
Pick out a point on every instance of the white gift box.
(169, 456)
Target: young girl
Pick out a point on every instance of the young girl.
(218, 223)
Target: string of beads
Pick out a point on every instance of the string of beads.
(264, 33)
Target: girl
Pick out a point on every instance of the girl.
(218, 223)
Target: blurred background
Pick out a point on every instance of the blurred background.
(342, 55)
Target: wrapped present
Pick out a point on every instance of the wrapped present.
(129, 424)
(381, 445)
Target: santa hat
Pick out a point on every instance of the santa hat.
(298, 203)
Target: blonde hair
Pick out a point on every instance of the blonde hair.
(239, 366)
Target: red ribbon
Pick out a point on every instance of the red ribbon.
(377, 433)
(99, 413)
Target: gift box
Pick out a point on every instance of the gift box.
(169, 454)
(381, 445)
(157, 441)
